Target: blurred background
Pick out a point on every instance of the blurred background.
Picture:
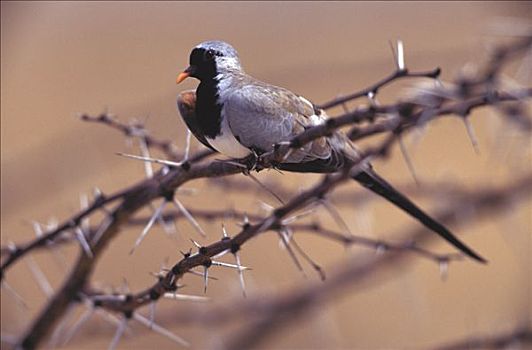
(59, 59)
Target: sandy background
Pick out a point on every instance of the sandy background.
(61, 59)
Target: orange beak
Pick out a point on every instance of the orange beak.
(181, 77)
(185, 74)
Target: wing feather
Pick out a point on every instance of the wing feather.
(261, 115)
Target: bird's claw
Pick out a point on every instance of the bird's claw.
(251, 162)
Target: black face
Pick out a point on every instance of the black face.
(203, 63)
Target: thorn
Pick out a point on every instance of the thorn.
(97, 192)
(153, 160)
(312, 263)
(37, 228)
(168, 227)
(78, 324)
(197, 273)
(400, 55)
(83, 241)
(146, 153)
(18, 298)
(54, 338)
(189, 216)
(148, 226)
(266, 207)
(240, 274)
(52, 224)
(471, 134)
(195, 243)
(205, 278)
(184, 297)
(245, 222)
(283, 234)
(298, 216)
(224, 231)
(228, 265)
(118, 334)
(408, 160)
(331, 209)
(222, 253)
(39, 276)
(110, 318)
(101, 229)
(158, 329)
(266, 188)
(372, 97)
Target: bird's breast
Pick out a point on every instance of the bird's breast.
(226, 143)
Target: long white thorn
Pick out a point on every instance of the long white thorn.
(158, 329)
(231, 266)
(291, 252)
(148, 226)
(198, 273)
(18, 299)
(224, 231)
(400, 55)
(471, 134)
(146, 153)
(152, 160)
(189, 216)
(41, 279)
(77, 326)
(298, 216)
(205, 278)
(240, 274)
(331, 209)
(110, 318)
(118, 334)
(196, 244)
(222, 253)
(101, 229)
(408, 160)
(168, 227)
(56, 335)
(184, 297)
(37, 229)
(83, 241)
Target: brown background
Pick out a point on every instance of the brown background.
(61, 59)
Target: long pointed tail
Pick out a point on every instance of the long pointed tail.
(378, 185)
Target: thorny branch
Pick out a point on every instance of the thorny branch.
(468, 93)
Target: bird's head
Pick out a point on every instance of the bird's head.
(209, 59)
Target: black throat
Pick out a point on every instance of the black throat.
(208, 110)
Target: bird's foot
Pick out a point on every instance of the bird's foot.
(251, 162)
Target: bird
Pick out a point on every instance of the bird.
(239, 116)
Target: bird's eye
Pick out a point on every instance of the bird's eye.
(209, 54)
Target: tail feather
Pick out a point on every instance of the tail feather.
(378, 185)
